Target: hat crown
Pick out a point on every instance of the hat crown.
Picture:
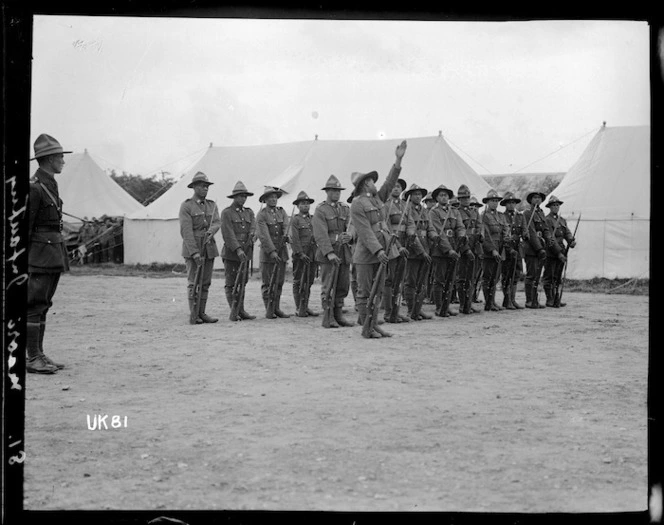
(269, 190)
(508, 195)
(333, 183)
(356, 177)
(47, 145)
(463, 191)
(240, 188)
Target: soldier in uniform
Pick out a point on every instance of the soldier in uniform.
(445, 253)
(199, 221)
(419, 258)
(539, 237)
(47, 254)
(495, 233)
(403, 229)
(304, 255)
(428, 200)
(556, 254)
(372, 237)
(512, 269)
(479, 252)
(238, 229)
(333, 252)
(272, 227)
(465, 282)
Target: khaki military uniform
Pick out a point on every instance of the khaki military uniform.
(539, 237)
(513, 267)
(238, 229)
(553, 267)
(417, 269)
(272, 229)
(469, 264)
(304, 272)
(495, 233)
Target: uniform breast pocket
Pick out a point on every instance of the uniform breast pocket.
(239, 225)
(198, 220)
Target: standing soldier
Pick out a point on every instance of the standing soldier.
(466, 273)
(539, 237)
(495, 233)
(367, 213)
(428, 200)
(419, 259)
(238, 229)
(512, 269)
(333, 253)
(47, 254)
(199, 221)
(304, 255)
(396, 266)
(454, 202)
(556, 254)
(479, 252)
(445, 253)
(272, 227)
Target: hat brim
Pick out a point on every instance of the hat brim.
(487, 199)
(531, 195)
(332, 188)
(266, 195)
(549, 204)
(233, 195)
(408, 193)
(511, 199)
(192, 184)
(360, 180)
(298, 201)
(56, 152)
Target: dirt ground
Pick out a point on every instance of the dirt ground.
(513, 411)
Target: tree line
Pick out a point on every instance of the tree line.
(144, 189)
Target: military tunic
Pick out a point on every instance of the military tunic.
(197, 218)
(513, 267)
(238, 230)
(47, 254)
(272, 229)
(330, 220)
(452, 236)
(417, 269)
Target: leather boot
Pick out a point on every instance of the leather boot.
(557, 298)
(267, 313)
(296, 299)
(487, 297)
(387, 304)
(438, 301)
(242, 313)
(494, 306)
(380, 331)
(464, 307)
(42, 330)
(353, 290)
(194, 318)
(309, 311)
(534, 301)
(516, 305)
(506, 297)
(205, 317)
(361, 316)
(529, 295)
(277, 309)
(549, 296)
(339, 318)
(35, 363)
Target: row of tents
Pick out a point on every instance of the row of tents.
(608, 187)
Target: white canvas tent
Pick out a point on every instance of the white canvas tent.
(609, 187)
(87, 191)
(152, 234)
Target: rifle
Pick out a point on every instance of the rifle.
(304, 289)
(372, 303)
(198, 279)
(272, 286)
(562, 284)
(238, 290)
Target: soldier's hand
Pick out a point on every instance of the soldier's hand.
(275, 256)
(403, 252)
(497, 257)
(305, 258)
(572, 244)
(197, 259)
(562, 258)
(401, 150)
(454, 255)
(427, 258)
(382, 257)
(513, 253)
(470, 255)
(541, 255)
(208, 237)
(241, 254)
(333, 258)
(345, 238)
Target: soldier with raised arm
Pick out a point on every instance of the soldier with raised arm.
(372, 237)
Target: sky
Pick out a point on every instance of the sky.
(145, 95)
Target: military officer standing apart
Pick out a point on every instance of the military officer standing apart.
(372, 237)
(466, 272)
(403, 229)
(539, 237)
(272, 227)
(447, 251)
(304, 255)
(333, 253)
(238, 229)
(47, 253)
(556, 254)
(495, 233)
(512, 269)
(199, 221)
(419, 258)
